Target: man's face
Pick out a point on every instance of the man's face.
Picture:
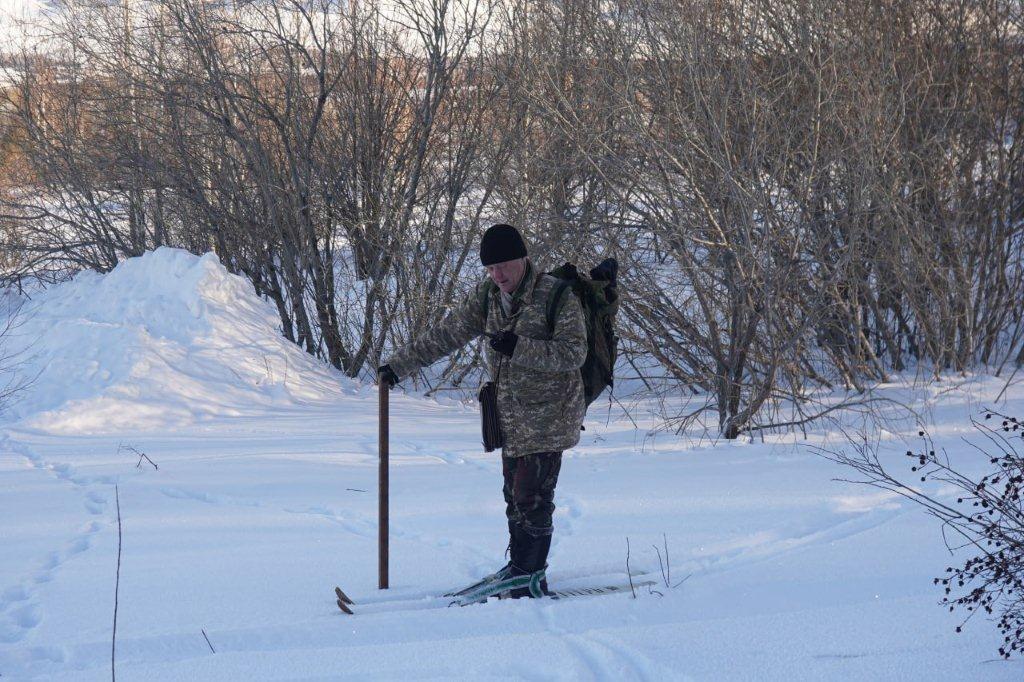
(507, 274)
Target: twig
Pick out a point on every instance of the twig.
(208, 641)
(661, 566)
(682, 581)
(844, 405)
(117, 586)
(1007, 384)
(142, 455)
(668, 564)
(625, 410)
(666, 567)
(629, 572)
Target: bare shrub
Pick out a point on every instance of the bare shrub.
(986, 520)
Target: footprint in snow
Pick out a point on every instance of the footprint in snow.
(52, 561)
(18, 623)
(78, 546)
(95, 503)
(11, 596)
(27, 617)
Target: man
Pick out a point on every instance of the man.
(540, 401)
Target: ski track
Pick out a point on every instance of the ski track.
(785, 543)
(19, 603)
(644, 666)
(603, 659)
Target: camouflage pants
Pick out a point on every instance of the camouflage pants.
(530, 491)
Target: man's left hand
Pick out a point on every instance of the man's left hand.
(505, 342)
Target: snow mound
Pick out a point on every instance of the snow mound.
(161, 341)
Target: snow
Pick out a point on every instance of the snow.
(264, 499)
(164, 339)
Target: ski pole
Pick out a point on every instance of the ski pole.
(382, 496)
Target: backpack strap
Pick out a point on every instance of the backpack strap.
(554, 298)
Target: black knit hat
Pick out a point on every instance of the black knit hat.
(501, 243)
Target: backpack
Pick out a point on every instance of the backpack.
(599, 298)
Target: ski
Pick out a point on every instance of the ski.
(603, 589)
(573, 593)
(343, 601)
(505, 573)
(480, 596)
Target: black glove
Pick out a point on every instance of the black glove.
(505, 342)
(386, 375)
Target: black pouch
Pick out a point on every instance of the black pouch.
(493, 437)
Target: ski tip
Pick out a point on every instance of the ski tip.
(342, 597)
(344, 608)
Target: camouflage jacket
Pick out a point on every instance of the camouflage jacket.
(540, 392)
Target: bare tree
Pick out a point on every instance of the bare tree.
(804, 196)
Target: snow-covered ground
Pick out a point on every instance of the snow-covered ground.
(264, 499)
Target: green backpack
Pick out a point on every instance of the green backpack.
(600, 300)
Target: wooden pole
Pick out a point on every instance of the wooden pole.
(382, 496)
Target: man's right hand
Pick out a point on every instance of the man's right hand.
(386, 376)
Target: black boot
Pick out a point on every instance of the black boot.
(541, 547)
(535, 555)
(529, 556)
